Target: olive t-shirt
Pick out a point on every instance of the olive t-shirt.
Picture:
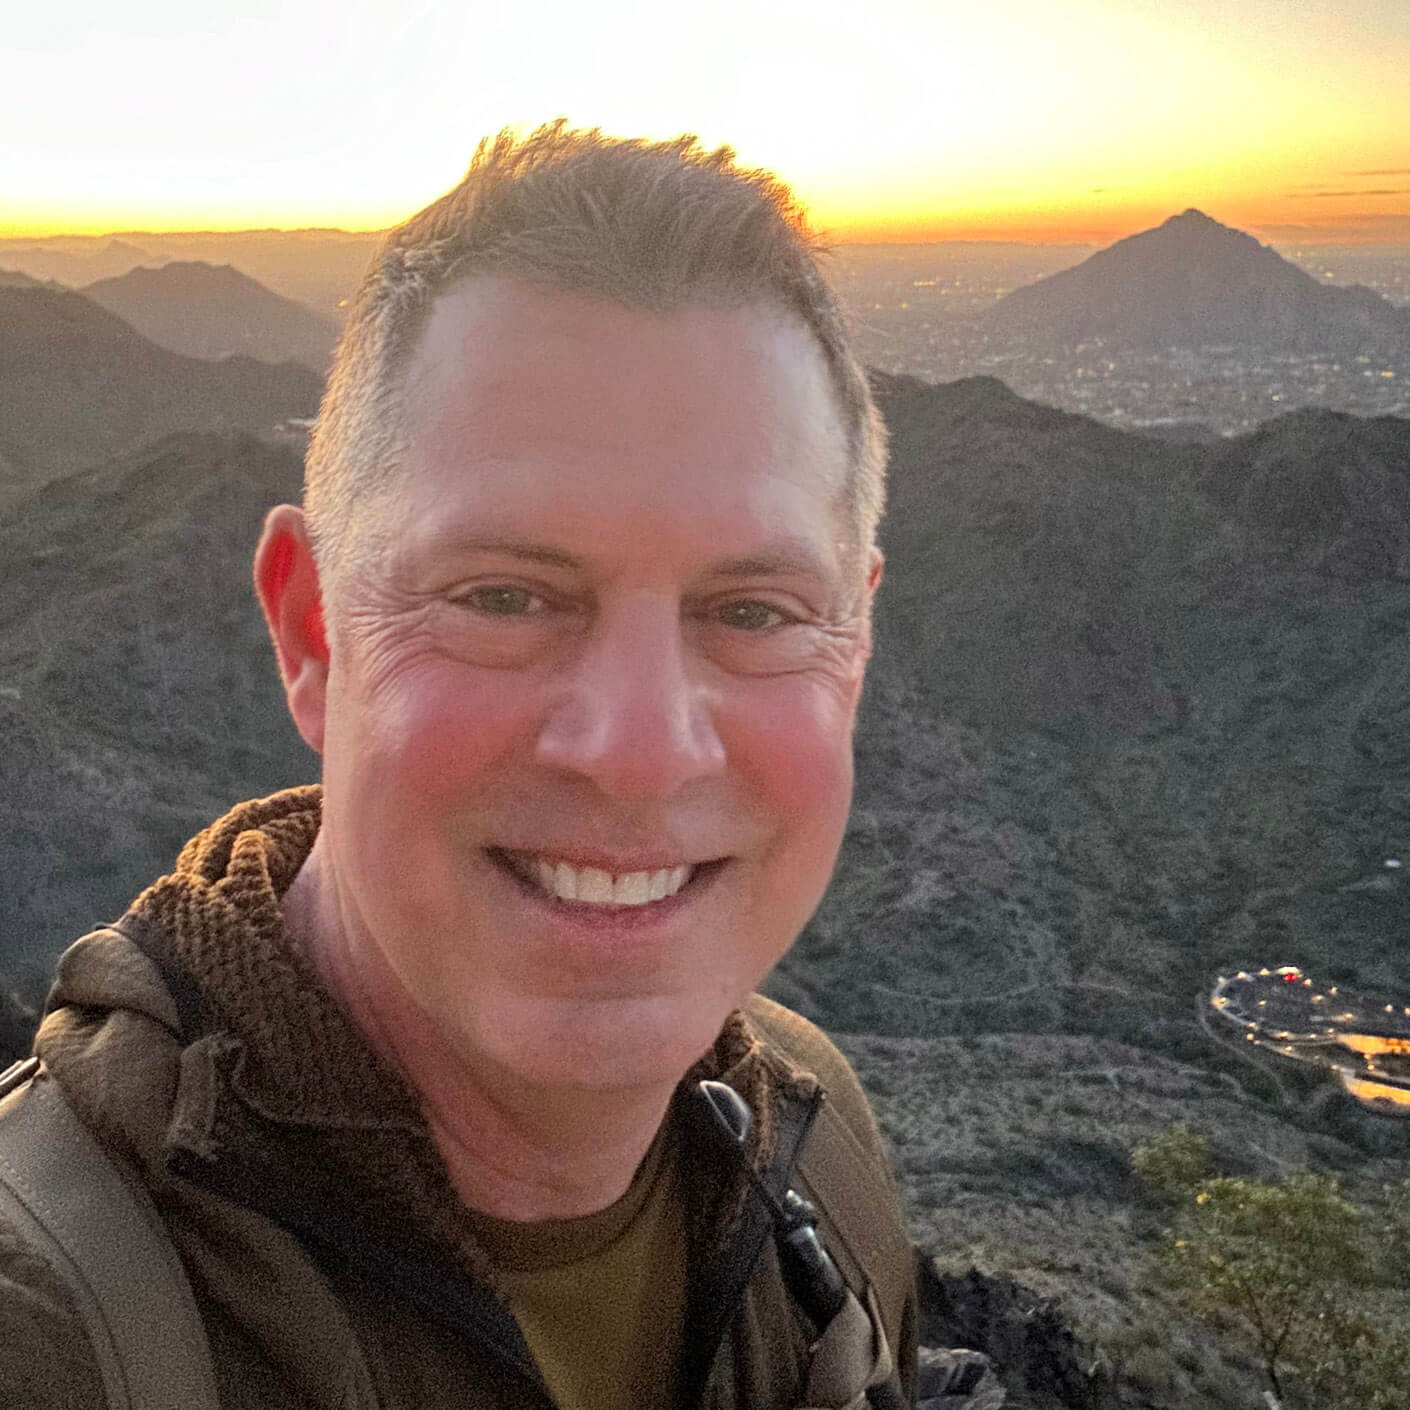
(601, 1299)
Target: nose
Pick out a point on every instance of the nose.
(634, 715)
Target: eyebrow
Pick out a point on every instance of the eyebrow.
(786, 557)
(511, 548)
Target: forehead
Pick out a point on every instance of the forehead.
(507, 372)
(496, 326)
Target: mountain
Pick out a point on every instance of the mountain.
(1138, 713)
(319, 268)
(53, 261)
(1332, 491)
(136, 689)
(1165, 722)
(214, 311)
(14, 279)
(1193, 282)
(78, 384)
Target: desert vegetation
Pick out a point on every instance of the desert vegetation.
(1313, 1282)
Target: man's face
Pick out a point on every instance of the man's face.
(587, 733)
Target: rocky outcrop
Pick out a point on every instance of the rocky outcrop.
(958, 1380)
(1034, 1354)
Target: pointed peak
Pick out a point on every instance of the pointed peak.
(1195, 230)
(1191, 219)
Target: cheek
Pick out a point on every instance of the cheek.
(425, 730)
(792, 744)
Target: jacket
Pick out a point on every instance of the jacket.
(303, 1192)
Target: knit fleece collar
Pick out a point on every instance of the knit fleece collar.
(280, 1054)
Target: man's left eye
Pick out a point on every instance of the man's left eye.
(751, 615)
(501, 600)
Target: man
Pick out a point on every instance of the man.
(576, 613)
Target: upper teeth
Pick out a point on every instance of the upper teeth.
(602, 888)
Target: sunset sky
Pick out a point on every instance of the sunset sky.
(892, 119)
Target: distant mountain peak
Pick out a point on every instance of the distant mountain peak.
(1194, 228)
(1194, 282)
(178, 270)
(214, 310)
(1192, 216)
(1194, 224)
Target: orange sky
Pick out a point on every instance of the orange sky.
(900, 119)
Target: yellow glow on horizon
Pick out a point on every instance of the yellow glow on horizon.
(901, 119)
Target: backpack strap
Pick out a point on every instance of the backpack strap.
(848, 1185)
(842, 1168)
(107, 1242)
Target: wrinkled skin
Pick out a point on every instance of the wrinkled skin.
(619, 621)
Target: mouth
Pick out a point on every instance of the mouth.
(562, 880)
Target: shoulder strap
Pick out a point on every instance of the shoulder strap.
(105, 1239)
(846, 1175)
(849, 1186)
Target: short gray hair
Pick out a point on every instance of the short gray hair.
(652, 225)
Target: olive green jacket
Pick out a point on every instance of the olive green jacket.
(324, 1245)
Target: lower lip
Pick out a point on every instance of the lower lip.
(589, 916)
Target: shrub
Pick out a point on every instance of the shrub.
(1173, 1163)
(1309, 1278)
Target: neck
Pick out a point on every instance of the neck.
(513, 1149)
(543, 1159)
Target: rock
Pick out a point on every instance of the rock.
(958, 1380)
(1031, 1352)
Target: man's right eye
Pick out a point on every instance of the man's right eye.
(501, 600)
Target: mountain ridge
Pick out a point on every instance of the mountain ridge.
(71, 268)
(78, 384)
(215, 311)
(1120, 733)
(1192, 281)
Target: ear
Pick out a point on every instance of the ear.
(874, 571)
(286, 583)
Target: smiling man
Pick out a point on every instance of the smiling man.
(448, 1079)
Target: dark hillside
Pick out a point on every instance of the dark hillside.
(1120, 733)
(1330, 491)
(1032, 556)
(1139, 714)
(137, 692)
(14, 279)
(78, 384)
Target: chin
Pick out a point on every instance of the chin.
(639, 1043)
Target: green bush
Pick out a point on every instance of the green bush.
(1313, 1281)
(1173, 1163)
